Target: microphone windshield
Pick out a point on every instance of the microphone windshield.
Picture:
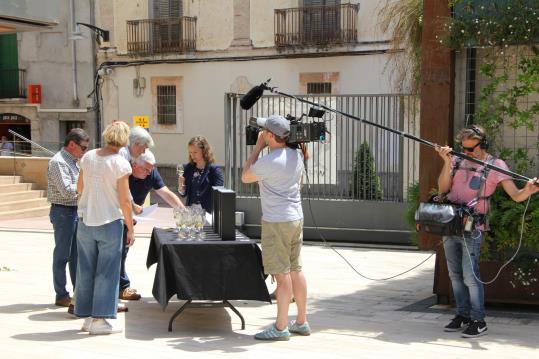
(249, 99)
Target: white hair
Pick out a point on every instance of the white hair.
(146, 157)
(139, 135)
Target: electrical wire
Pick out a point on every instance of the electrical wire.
(326, 244)
(476, 276)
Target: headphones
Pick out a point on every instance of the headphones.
(483, 142)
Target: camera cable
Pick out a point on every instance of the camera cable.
(326, 244)
(476, 276)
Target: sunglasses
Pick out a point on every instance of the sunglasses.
(471, 149)
(83, 148)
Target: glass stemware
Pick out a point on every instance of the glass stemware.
(200, 218)
(179, 170)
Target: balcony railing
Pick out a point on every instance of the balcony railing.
(316, 25)
(12, 83)
(160, 36)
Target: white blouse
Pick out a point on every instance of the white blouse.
(99, 202)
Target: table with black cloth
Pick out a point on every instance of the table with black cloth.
(209, 270)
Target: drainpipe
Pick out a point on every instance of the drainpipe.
(94, 69)
(74, 55)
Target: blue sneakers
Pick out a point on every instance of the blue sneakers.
(303, 329)
(272, 333)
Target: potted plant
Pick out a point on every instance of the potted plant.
(507, 33)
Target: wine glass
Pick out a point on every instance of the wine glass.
(178, 219)
(183, 223)
(179, 169)
(179, 172)
(200, 218)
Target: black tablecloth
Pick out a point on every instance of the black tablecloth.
(206, 270)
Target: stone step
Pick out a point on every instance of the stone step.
(21, 195)
(16, 187)
(23, 204)
(10, 179)
(25, 213)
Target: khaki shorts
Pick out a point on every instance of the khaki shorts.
(281, 246)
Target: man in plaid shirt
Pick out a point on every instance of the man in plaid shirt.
(63, 174)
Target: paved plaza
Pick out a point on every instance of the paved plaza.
(351, 317)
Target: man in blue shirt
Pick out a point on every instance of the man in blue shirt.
(62, 177)
(143, 179)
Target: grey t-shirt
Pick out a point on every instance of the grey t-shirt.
(279, 176)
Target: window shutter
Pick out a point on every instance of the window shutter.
(322, 24)
(167, 34)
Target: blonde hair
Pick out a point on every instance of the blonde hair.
(202, 143)
(471, 133)
(116, 134)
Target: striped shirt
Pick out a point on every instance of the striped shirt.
(63, 174)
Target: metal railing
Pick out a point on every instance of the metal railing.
(358, 162)
(13, 83)
(159, 36)
(316, 25)
(28, 148)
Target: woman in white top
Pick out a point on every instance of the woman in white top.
(104, 206)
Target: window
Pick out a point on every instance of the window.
(66, 126)
(167, 32)
(317, 88)
(163, 9)
(166, 105)
(321, 24)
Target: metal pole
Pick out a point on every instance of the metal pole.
(403, 134)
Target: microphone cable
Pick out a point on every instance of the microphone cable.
(326, 244)
(476, 275)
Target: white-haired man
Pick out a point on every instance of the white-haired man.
(143, 179)
(139, 141)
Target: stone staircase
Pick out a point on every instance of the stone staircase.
(20, 200)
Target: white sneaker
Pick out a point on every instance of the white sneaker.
(86, 325)
(103, 326)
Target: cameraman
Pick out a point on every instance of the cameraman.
(470, 184)
(279, 174)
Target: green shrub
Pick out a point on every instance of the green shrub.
(412, 203)
(505, 219)
(366, 183)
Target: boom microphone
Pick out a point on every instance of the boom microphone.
(249, 99)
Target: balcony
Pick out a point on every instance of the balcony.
(316, 25)
(13, 83)
(161, 36)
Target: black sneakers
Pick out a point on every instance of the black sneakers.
(475, 329)
(457, 324)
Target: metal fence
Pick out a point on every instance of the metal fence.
(316, 25)
(357, 162)
(158, 36)
(12, 83)
(517, 139)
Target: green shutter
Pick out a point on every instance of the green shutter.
(9, 65)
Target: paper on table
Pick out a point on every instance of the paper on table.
(146, 211)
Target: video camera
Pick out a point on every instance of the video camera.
(299, 132)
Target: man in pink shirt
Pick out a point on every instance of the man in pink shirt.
(468, 183)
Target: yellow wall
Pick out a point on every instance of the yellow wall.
(127, 10)
(262, 20)
(31, 169)
(214, 22)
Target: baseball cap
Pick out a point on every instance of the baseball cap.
(278, 125)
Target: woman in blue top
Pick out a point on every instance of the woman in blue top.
(200, 174)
